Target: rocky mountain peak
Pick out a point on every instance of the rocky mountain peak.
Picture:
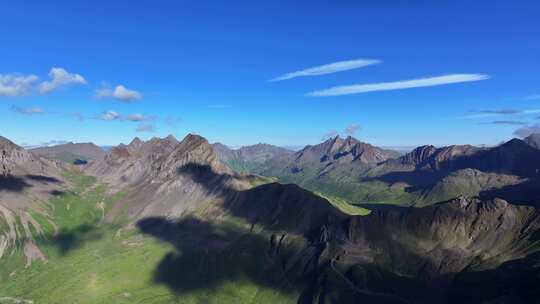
(418, 155)
(11, 155)
(136, 142)
(8, 145)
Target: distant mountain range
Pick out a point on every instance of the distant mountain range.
(176, 214)
(362, 173)
(71, 152)
(249, 158)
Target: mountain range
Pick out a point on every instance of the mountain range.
(362, 173)
(164, 220)
(71, 152)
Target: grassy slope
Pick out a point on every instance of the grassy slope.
(350, 190)
(69, 157)
(94, 262)
(344, 206)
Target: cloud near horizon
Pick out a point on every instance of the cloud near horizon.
(120, 92)
(60, 78)
(329, 68)
(398, 85)
(145, 128)
(137, 117)
(27, 111)
(505, 122)
(49, 143)
(495, 113)
(15, 85)
(110, 115)
(352, 129)
(528, 130)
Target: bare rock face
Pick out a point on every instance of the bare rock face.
(160, 175)
(422, 255)
(345, 151)
(26, 182)
(11, 156)
(447, 237)
(335, 159)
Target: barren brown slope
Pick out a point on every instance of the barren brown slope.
(26, 183)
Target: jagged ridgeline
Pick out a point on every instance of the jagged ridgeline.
(167, 221)
(362, 173)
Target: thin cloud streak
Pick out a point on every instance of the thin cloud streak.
(329, 68)
(498, 113)
(398, 85)
(505, 122)
(27, 111)
(145, 128)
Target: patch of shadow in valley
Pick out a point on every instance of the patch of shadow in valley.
(43, 179)
(13, 183)
(208, 255)
(66, 241)
(57, 192)
(417, 180)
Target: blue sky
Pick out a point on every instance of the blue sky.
(152, 68)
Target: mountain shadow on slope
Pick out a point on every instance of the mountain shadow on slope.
(13, 183)
(391, 256)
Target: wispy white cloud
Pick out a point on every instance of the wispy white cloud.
(49, 143)
(13, 85)
(120, 92)
(329, 68)
(498, 113)
(399, 85)
(527, 130)
(110, 115)
(505, 122)
(137, 117)
(60, 78)
(352, 129)
(27, 111)
(145, 128)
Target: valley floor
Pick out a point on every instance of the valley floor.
(93, 261)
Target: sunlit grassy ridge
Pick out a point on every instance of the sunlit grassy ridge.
(90, 261)
(344, 206)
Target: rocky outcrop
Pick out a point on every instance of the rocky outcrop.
(343, 151)
(27, 181)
